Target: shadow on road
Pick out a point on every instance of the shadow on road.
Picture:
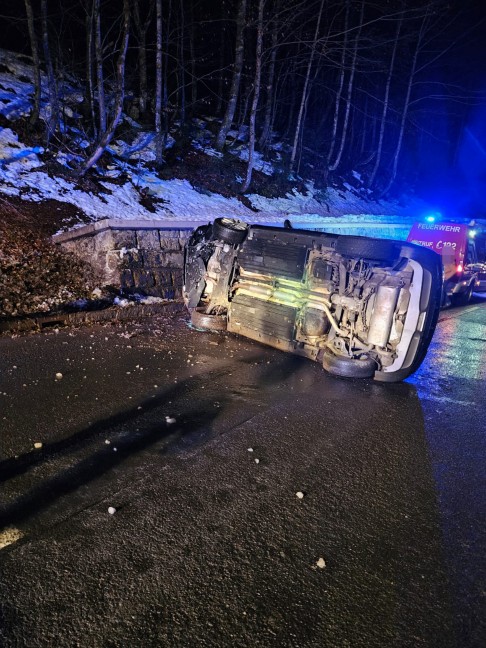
(191, 428)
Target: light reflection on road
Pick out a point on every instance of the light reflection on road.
(450, 385)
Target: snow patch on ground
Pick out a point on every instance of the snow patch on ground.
(21, 173)
(20, 176)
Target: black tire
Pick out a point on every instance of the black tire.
(364, 367)
(202, 320)
(367, 248)
(229, 230)
(462, 299)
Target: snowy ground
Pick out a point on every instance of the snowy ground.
(23, 175)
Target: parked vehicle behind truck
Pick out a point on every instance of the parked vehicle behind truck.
(459, 257)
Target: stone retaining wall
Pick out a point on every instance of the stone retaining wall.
(140, 259)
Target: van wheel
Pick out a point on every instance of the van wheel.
(229, 230)
(202, 320)
(345, 367)
(462, 298)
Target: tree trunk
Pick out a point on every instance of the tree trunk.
(256, 96)
(339, 92)
(221, 72)
(53, 99)
(270, 91)
(158, 87)
(34, 115)
(192, 54)
(182, 64)
(290, 73)
(141, 29)
(304, 117)
(165, 77)
(385, 104)
(303, 99)
(336, 162)
(89, 71)
(405, 108)
(235, 83)
(243, 109)
(99, 67)
(364, 128)
(120, 93)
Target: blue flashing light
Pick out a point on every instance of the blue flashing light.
(472, 233)
(433, 216)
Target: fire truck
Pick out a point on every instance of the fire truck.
(455, 243)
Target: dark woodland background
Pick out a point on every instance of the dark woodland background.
(391, 90)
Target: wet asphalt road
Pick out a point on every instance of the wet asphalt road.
(201, 442)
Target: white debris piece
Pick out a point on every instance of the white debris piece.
(257, 461)
(9, 535)
(321, 563)
(59, 376)
(250, 449)
(111, 510)
(38, 445)
(107, 441)
(299, 494)
(169, 420)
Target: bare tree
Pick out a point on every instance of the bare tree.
(339, 92)
(352, 73)
(235, 83)
(305, 89)
(256, 96)
(182, 66)
(270, 95)
(386, 100)
(107, 135)
(141, 28)
(90, 99)
(167, 59)
(99, 66)
(192, 54)
(53, 118)
(159, 146)
(406, 104)
(34, 115)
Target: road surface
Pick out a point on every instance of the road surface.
(166, 487)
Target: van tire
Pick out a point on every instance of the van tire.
(201, 320)
(229, 230)
(345, 367)
(461, 299)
